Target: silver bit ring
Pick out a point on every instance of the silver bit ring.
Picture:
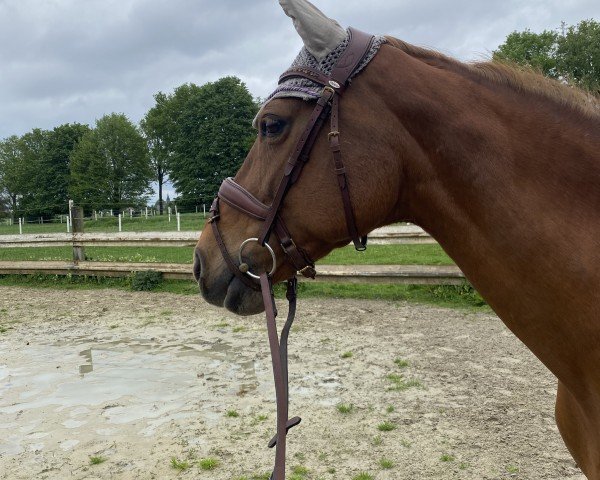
(268, 247)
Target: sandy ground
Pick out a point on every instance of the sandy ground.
(140, 378)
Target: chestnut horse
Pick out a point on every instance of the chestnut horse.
(501, 167)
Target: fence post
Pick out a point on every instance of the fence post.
(146, 213)
(120, 225)
(169, 210)
(178, 222)
(20, 226)
(204, 210)
(77, 219)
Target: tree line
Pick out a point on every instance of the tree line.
(193, 136)
(570, 54)
(197, 135)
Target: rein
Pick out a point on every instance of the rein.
(239, 198)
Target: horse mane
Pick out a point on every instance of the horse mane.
(517, 77)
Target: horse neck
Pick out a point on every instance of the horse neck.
(507, 183)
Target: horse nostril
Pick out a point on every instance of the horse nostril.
(197, 265)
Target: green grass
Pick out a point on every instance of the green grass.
(386, 463)
(179, 464)
(401, 363)
(461, 296)
(377, 255)
(208, 463)
(347, 355)
(189, 222)
(299, 472)
(386, 426)
(447, 458)
(363, 476)
(97, 460)
(450, 296)
(389, 255)
(345, 408)
(102, 254)
(232, 414)
(399, 383)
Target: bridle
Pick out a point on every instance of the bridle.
(240, 199)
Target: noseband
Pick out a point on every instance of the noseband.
(240, 199)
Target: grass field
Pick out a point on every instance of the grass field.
(458, 296)
(450, 296)
(375, 255)
(189, 222)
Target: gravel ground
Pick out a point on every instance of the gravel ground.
(138, 379)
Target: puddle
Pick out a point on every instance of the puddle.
(58, 396)
(94, 388)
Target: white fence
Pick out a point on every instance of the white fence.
(382, 236)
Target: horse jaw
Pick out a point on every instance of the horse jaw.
(320, 34)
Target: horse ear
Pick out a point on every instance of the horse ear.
(321, 34)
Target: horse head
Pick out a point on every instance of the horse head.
(313, 209)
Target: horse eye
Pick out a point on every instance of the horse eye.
(271, 127)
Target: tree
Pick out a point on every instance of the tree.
(572, 56)
(578, 55)
(52, 192)
(35, 170)
(20, 169)
(110, 166)
(13, 172)
(207, 131)
(158, 129)
(531, 49)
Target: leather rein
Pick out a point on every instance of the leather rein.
(240, 199)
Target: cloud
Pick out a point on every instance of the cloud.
(73, 60)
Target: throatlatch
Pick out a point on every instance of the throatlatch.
(234, 195)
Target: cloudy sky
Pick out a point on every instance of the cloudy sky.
(76, 60)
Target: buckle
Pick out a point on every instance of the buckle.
(213, 218)
(309, 272)
(289, 244)
(333, 134)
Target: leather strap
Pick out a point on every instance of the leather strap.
(279, 359)
(305, 72)
(360, 243)
(239, 198)
(359, 45)
(233, 268)
(294, 166)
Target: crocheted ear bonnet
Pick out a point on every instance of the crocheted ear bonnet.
(307, 90)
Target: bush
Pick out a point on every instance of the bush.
(453, 292)
(146, 281)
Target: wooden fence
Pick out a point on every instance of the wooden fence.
(399, 274)
(406, 234)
